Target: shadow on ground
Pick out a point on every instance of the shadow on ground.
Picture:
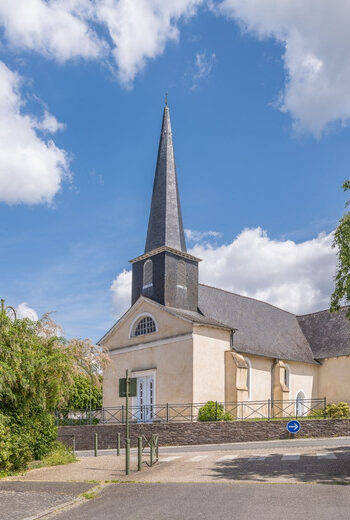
(309, 468)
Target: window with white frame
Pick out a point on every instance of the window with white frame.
(300, 406)
(147, 274)
(146, 325)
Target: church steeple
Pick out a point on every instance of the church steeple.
(166, 273)
(165, 226)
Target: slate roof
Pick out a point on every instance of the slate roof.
(328, 333)
(165, 227)
(263, 329)
(196, 317)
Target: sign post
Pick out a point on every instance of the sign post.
(127, 388)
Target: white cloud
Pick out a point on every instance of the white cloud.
(140, 29)
(198, 236)
(48, 123)
(203, 66)
(297, 277)
(121, 292)
(58, 29)
(317, 45)
(294, 276)
(65, 29)
(31, 169)
(24, 311)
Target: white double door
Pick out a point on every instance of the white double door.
(145, 398)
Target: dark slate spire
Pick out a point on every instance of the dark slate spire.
(165, 226)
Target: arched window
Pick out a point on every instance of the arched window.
(300, 408)
(287, 376)
(145, 325)
(181, 274)
(147, 274)
(249, 377)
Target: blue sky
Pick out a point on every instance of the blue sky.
(267, 180)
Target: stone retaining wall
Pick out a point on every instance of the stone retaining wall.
(173, 434)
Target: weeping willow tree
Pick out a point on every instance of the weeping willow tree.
(341, 294)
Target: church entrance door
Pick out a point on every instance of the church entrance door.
(145, 398)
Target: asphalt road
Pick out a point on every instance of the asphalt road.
(240, 446)
(215, 502)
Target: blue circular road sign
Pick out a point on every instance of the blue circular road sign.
(293, 426)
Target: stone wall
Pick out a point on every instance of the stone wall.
(200, 432)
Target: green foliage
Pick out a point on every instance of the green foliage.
(212, 411)
(333, 411)
(317, 413)
(81, 391)
(5, 450)
(338, 411)
(341, 294)
(35, 371)
(59, 454)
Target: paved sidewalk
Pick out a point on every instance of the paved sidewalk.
(27, 500)
(301, 463)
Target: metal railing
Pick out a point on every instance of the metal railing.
(169, 413)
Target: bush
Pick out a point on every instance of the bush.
(213, 411)
(60, 454)
(5, 450)
(338, 411)
(333, 411)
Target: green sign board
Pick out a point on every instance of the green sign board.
(132, 387)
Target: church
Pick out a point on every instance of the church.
(187, 342)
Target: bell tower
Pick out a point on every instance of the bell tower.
(165, 272)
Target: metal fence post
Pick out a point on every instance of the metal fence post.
(95, 444)
(118, 444)
(167, 412)
(73, 444)
(216, 410)
(151, 452)
(122, 414)
(191, 412)
(139, 454)
(324, 407)
(268, 409)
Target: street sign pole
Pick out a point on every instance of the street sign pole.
(127, 388)
(127, 440)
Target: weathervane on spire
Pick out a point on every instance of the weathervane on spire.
(166, 99)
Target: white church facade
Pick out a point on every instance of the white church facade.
(186, 342)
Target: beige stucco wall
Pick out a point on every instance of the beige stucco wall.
(304, 376)
(168, 325)
(209, 346)
(260, 377)
(334, 379)
(172, 361)
(173, 366)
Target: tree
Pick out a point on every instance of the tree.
(82, 395)
(36, 370)
(90, 361)
(341, 294)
